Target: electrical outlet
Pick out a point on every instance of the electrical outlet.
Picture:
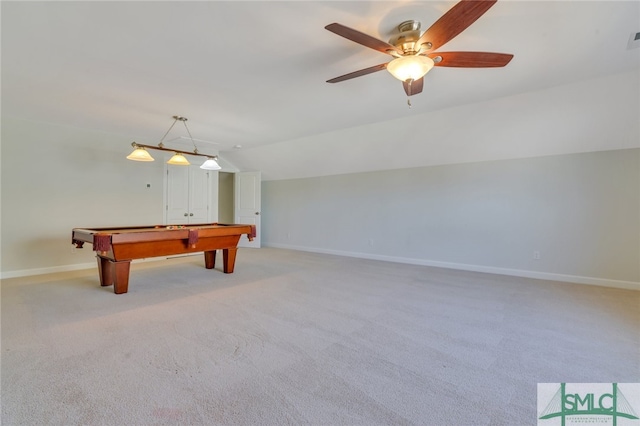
(370, 242)
(536, 255)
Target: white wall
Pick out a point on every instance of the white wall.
(580, 211)
(56, 178)
(590, 115)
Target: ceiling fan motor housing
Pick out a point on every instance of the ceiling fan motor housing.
(408, 35)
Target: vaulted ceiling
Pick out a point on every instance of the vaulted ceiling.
(254, 73)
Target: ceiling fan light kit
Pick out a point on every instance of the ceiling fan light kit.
(414, 54)
(411, 67)
(140, 152)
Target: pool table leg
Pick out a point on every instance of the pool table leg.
(116, 273)
(229, 260)
(210, 259)
(121, 282)
(104, 271)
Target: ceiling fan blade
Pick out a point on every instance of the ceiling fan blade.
(414, 88)
(470, 59)
(363, 39)
(452, 23)
(358, 73)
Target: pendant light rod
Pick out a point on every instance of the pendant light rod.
(161, 148)
(175, 120)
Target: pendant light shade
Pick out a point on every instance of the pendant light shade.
(178, 160)
(412, 67)
(210, 164)
(140, 154)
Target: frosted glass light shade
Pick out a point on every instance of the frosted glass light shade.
(210, 164)
(140, 154)
(411, 67)
(178, 160)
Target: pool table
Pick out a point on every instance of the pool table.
(117, 247)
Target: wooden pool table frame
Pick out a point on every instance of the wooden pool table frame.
(117, 247)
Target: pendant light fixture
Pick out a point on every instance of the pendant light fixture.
(210, 164)
(140, 152)
(178, 160)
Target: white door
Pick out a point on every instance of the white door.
(188, 195)
(247, 204)
(199, 195)
(177, 195)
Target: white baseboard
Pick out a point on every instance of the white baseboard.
(629, 285)
(50, 270)
(69, 268)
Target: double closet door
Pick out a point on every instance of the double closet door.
(188, 195)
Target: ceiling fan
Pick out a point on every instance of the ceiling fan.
(414, 54)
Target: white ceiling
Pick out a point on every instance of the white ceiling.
(253, 73)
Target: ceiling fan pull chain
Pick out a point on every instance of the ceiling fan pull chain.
(410, 81)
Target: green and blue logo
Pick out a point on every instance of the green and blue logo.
(588, 403)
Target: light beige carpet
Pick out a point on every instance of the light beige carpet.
(301, 338)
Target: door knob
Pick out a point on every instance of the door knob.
(190, 214)
(186, 214)
(257, 213)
